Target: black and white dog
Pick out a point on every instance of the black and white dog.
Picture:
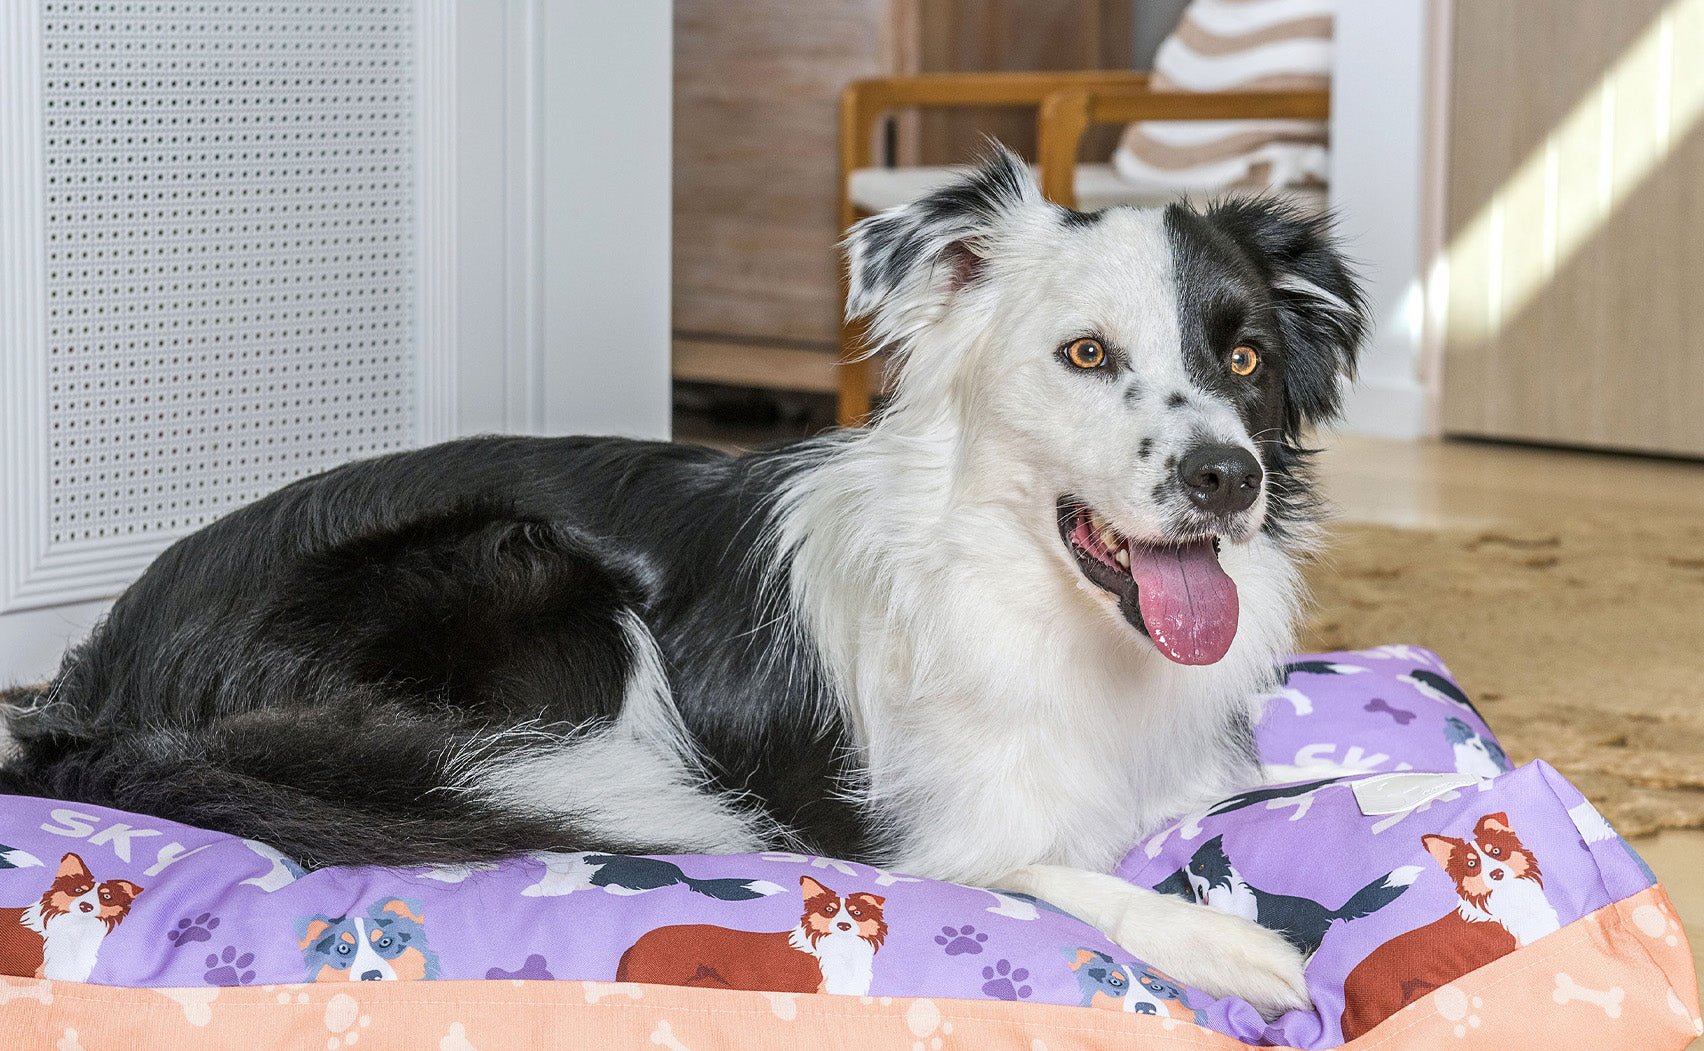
(995, 638)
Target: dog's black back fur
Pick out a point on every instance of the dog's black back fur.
(316, 659)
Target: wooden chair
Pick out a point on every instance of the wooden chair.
(1066, 105)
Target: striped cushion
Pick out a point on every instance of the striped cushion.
(1225, 45)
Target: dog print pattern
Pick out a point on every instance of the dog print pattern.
(1306, 859)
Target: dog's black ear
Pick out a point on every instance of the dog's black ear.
(1322, 314)
(906, 263)
(1177, 884)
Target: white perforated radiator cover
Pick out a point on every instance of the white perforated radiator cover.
(225, 200)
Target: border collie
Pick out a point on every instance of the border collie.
(1501, 906)
(994, 638)
(59, 935)
(832, 950)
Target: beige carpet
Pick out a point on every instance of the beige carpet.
(1581, 641)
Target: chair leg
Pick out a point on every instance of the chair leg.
(855, 377)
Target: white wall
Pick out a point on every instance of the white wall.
(563, 168)
(1153, 21)
(1379, 161)
(543, 244)
(605, 100)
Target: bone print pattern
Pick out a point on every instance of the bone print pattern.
(1569, 991)
(1491, 1008)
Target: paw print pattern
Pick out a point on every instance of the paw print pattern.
(228, 968)
(188, 930)
(1005, 982)
(961, 941)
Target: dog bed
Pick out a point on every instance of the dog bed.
(1446, 899)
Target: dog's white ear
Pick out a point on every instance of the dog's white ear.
(906, 263)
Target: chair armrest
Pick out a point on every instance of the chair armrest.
(1068, 112)
(864, 101)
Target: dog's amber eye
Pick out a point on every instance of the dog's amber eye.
(1244, 360)
(1085, 353)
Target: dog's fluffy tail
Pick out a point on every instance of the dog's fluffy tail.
(732, 889)
(355, 785)
(1377, 894)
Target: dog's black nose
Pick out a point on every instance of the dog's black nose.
(371, 976)
(1223, 479)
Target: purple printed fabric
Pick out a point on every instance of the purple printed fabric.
(1345, 864)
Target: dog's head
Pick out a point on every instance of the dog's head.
(387, 944)
(1135, 382)
(828, 914)
(1102, 980)
(1458, 732)
(1479, 866)
(74, 892)
(1209, 868)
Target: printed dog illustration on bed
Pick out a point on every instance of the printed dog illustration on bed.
(59, 935)
(386, 945)
(1213, 880)
(1475, 753)
(624, 874)
(832, 950)
(1439, 688)
(1501, 908)
(1114, 986)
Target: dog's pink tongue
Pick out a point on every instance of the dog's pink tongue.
(1188, 603)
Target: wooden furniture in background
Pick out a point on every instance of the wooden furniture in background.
(1574, 225)
(757, 82)
(1065, 106)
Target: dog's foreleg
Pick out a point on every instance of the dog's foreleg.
(1220, 954)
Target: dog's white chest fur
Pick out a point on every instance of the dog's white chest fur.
(1234, 897)
(1519, 904)
(1471, 757)
(847, 960)
(1008, 716)
(71, 942)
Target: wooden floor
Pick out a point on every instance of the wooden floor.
(1444, 483)
(1435, 483)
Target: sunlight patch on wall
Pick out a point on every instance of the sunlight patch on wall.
(1569, 187)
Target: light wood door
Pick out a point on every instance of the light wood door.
(1575, 224)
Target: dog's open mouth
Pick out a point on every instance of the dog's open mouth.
(1176, 594)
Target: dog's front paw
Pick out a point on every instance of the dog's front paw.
(1222, 955)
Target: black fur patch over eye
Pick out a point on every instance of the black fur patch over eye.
(1319, 308)
(1259, 272)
